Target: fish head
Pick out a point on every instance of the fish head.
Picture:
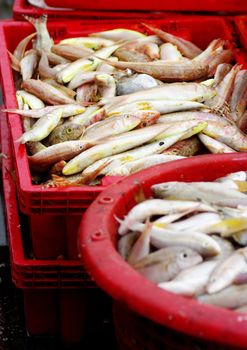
(187, 257)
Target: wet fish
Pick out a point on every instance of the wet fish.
(28, 64)
(53, 154)
(140, 164)
(162, 106)
(44, 69)
(141, 247)
(198, 222)
(88, 42)
(46, 92)
(124, 54)
(71, 52)
(186, 92)
(115, 145)
(118, 34)
(231, 297)
(66, 132)
(106, 85)
(65, 90)
(213, 145)
(239, 95)
(151, 207)
(84, 64)
(242, 122)
(187, 48)
(210, 192)
(92, 115)
(111, 126)
(165, 70)
(31, 100)
(170, 52)
(136, 82)
(57, 168)
(185, 148)
(126, 242)
(82, 78)
(87, 92)
(43, 127)
(223, 56)
(35, 147)
(221, 71)
(68, 110)
(166, 263)
(21, 47)
(43, 40)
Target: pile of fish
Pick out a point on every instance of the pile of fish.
(190, 238)
(119, 101)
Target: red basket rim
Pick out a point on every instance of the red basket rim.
(123, 283)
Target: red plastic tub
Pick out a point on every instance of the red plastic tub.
(241, 23)
(159, 308)
(32, 198)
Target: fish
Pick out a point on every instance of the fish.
(111, 126)
(118, 34)
(242, 122)
(240, 237)
(68, 131)
(46, 92)
(239, 95)
(43, 127)
(241, 309)
(71, 52)
(224, 89)
(141, 247)
(231, 297)
(223, 56)
(200, 242)
(236, 176)
(140, 164)
(211, 192)
(185, 148)
(14, 62)
(226, 272)
(113, 146)
(133, 55)
(84, 64)
(65, 90)
(187, 48)
(126, 242)
(87, 93)
(165, 70)
(91, 115)
(136, 82)
(226, 227)
(31, 100)
(57, 168)
(151, 207)
(134, 154)
(213, 145)
(88, 42)
(186, 91)
(221, 71)
(68, 110)
(43, 40)
(56, 60)
(35, 147)
(192, 115)
(166, 263)
(170, 52)
(44, 69)
(28, 64)
(213, 49)
(82, 78)
(53, 154)
(162, 106)
(106, 85)
(21, 47)
(151, 49)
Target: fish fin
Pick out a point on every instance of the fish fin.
(242, 185)
(118, 220)
(140, 195)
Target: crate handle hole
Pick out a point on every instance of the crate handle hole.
(98, 236)
(106, 200)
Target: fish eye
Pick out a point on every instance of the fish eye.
(184, 255)
(161, 143)
(69, 130)
(144, 124)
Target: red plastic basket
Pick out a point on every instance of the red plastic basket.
(123, 283)
(241, 23)
(32, 198)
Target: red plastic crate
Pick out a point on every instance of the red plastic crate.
(32, 198)
(123, 283)
(22, 7)
(158, 5)
(241, 23)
